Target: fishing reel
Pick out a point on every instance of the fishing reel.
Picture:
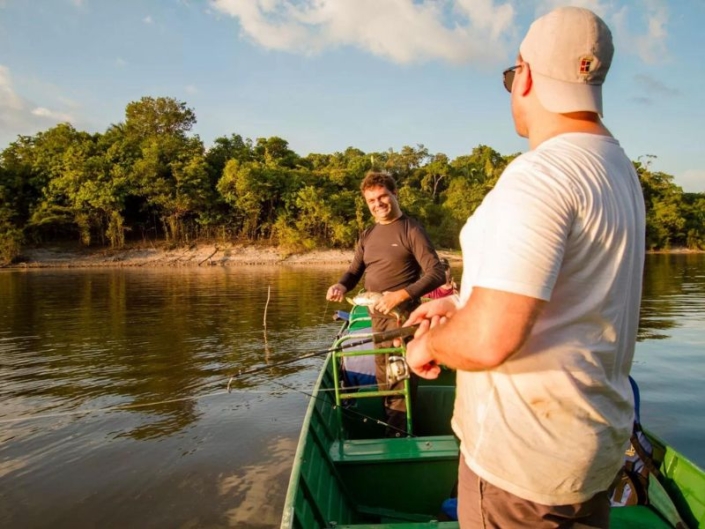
(397, 369)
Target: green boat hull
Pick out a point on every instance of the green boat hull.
(347, 474)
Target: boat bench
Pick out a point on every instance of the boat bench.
(404, 525)
(394, 449)
(634, 517)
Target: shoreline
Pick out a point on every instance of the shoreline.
(201, 255)
(196, 255)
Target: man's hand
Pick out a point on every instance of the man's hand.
(336, 292)
(434, 312)
(389, 300)
(419, 357)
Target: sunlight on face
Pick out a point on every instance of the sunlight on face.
(382, 203)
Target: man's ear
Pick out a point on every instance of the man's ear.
(523, 81)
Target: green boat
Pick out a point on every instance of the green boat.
(346, 474)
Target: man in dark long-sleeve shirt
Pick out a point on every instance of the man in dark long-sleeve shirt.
(398, 260)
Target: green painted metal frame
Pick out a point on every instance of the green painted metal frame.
(360, 319)
(341, 395)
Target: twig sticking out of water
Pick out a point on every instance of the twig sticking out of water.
(269, 289)
(266, 344)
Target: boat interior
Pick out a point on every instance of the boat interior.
(365, 479)
(352, 476)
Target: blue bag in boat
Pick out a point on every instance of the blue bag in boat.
(631, 484)
(450, 508)
(357, 370)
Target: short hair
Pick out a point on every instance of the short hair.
(378, 179)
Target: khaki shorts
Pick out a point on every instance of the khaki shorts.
(482, 505)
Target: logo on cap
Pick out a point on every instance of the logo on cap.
(586, 66)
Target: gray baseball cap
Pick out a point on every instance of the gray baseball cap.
(569, 51)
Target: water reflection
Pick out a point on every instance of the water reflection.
(160, 345)
(128, 336)
(673, 294)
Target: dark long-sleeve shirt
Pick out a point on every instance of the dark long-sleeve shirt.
(395, 256)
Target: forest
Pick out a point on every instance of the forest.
(149, 178)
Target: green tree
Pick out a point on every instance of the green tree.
(665, 225)
(435, 174)
(275, 151)
(170, 175)
(65, 160)
(244, 187)
(11, 235)
(161, 116)
(694, 215)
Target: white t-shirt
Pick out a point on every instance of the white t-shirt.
(565, 224)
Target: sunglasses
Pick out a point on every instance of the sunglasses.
(508, 77)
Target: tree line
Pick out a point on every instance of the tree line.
(148, 178)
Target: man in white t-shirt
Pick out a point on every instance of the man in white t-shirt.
(543, 332)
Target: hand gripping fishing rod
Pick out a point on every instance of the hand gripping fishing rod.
(376, 338)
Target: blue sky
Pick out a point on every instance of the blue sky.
(329, 74)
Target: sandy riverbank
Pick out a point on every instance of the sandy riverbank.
(193, 255)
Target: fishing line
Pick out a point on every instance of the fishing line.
(376, 337)
(351, 412)
(323, 317)
(325, 309)
(126, 407)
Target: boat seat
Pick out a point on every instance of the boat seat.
(404, 525)
(400, 449)
(636, 517)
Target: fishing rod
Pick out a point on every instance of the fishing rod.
(375, 338)
(350, 412)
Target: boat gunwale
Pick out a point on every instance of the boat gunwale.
(288, 513)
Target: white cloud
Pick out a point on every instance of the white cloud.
(408, 31)
(147, 19)
(600, 7)
(191, 89)
(692, 180)
(640, 29)
(120, 62)
(650, 44)
(9, 100)
(51, 114)
(402, 31)
(20, 116)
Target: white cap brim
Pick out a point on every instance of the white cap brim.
(562, 97)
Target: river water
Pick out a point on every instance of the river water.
(113, 403)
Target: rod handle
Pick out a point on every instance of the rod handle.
(401, 332)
